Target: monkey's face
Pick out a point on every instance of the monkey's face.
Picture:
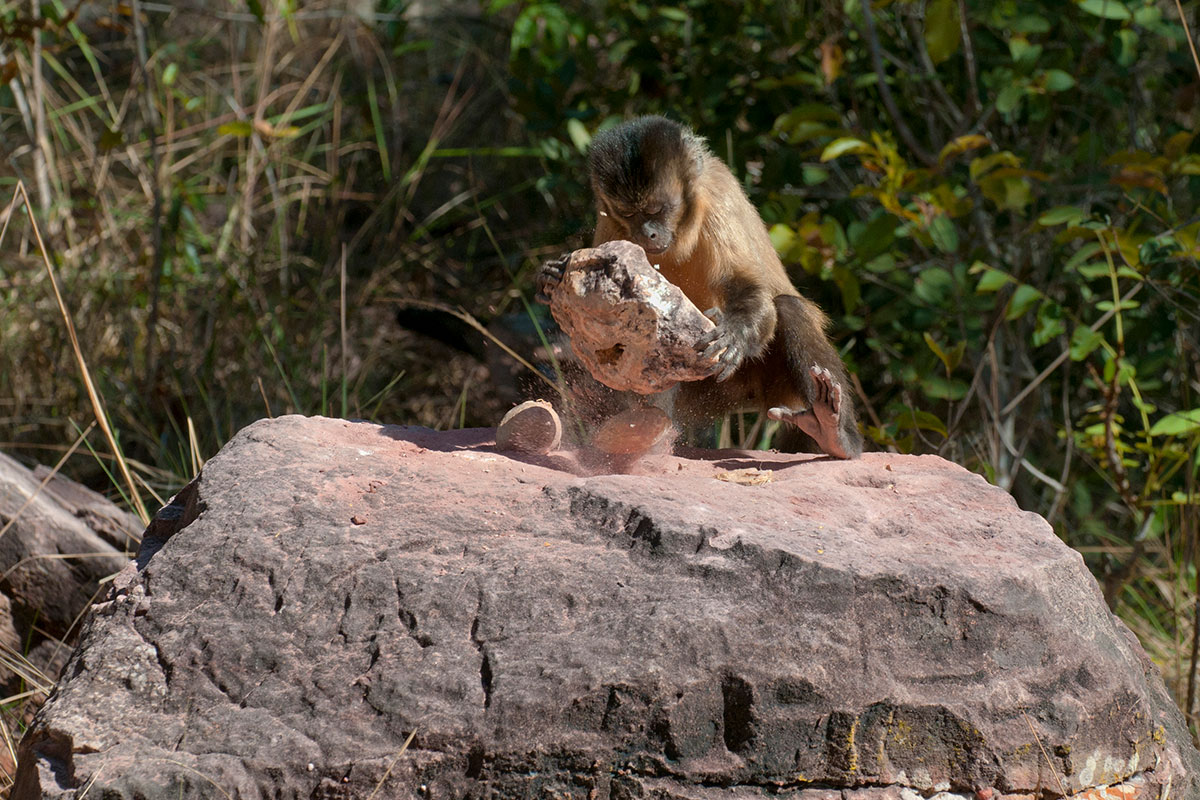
(641, 172)
(649, 223)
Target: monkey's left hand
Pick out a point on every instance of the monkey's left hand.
(548, 277)
(725, 345)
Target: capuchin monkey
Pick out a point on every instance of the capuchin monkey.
(657, 184)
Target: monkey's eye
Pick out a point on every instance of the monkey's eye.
(625, 214)
(654, 211)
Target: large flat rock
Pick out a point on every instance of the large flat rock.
(730, 624)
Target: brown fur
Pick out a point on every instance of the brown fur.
(658, 185)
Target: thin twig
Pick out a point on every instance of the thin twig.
(1188, 31)
(969, 58)
(41, 153)
(1036, 382)
(345, 334)
(1045, 755)
(477, 325)
(135, 496)
(885, 93)
(159, 256)
(396, 758)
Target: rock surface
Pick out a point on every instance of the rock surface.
(63, 539)
(881, 629)
(632, 328)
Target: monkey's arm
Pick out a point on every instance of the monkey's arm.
(745, 325)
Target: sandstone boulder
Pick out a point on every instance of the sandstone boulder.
(632, 328)
(887, 628)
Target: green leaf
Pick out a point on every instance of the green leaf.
(911, 419)
(940, 388)
(170, 74)
(943, 34)
(1022, 300)
(782, 236)
(847, 281)
(1030, 23)
(944, 234)
(1050, 323)
(240, 128)
(1106, 9)
(961, 145)
(673, 14)
(1057, 216)
(1083, 341)
(1010, 193)
(840, 147)
(833, 235)
(1083, 254)
(934, 285)
(1128, 52)
(1126, 305)
(985, 164)
(1022, 51)
(579, 134)
(881, 264)
(873, 238)
(1147, 16)
(813, 176)
(950, 359)
(1180, 422)
(1009, 97)
(993, 280)
(1058, 81)
(1091, 271)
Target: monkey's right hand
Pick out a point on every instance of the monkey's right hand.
(725, 345)
(548, 278)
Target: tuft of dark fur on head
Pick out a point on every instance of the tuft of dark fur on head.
(627, 161)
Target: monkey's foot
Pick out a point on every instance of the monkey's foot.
(722, 346)
(822, 419)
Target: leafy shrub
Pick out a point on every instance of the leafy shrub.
(998, 210)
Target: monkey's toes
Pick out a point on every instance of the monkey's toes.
(827, 391)
(785, 414)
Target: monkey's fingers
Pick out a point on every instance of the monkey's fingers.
(726, 357)
(711, 345)
(716, 315)
(727, 368)
(548, 278)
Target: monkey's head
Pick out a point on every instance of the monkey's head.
(643, 174)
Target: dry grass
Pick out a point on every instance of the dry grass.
(209, 218)
(213, 218)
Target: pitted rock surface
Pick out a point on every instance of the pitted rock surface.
(632, 328)
(886, 628)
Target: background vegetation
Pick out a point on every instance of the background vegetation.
(995, 200)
